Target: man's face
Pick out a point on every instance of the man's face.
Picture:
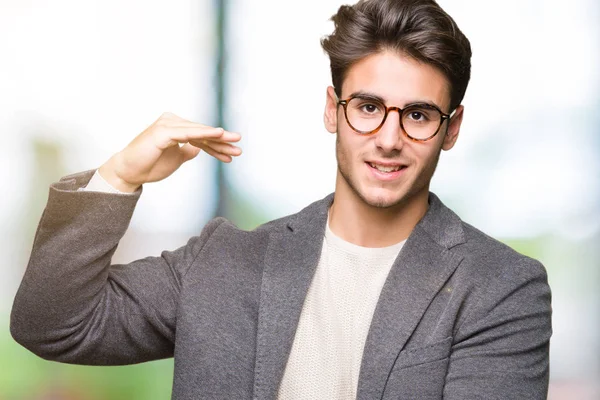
(365, 161)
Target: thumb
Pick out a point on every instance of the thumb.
(189, 151)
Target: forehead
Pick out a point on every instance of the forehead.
(398, 79)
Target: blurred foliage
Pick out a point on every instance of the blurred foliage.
(242, 212)
(25, 376)
(531, 247)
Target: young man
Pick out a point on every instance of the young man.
(377, 291)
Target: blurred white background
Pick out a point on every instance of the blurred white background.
(79, 80)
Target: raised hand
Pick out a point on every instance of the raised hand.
(162, 148)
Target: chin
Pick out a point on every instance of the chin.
(376, 195)
(382, 199)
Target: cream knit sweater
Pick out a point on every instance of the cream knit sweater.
(326, 354)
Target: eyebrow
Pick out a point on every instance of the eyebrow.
(372, 96)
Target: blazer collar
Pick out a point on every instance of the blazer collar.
(418, 273)
(442, 225)
(291, 259)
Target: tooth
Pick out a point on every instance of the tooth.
(385, 169)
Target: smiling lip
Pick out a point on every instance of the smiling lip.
(387, 171)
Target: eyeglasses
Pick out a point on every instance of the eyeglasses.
(366, 115)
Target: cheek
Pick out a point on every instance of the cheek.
(425, 157)
(350, 143)
(424, 153)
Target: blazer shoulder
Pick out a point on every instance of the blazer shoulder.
(227, 232)
(314, 213)
(482, 255)
(486, 255)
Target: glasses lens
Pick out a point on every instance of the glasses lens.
(365, 115)
(421, 121)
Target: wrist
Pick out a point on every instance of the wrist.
(108, 173)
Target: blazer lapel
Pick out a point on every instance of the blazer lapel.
(419, 272)
(290, 262)
(291, 258)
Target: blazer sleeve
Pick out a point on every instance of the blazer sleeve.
(73, 306)
(501, 350)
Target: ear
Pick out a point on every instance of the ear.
(330, 115)
(453, 128)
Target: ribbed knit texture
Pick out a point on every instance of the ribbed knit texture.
(326, 355)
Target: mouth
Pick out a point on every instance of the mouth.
(387, 168)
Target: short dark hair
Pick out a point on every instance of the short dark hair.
(420, 29)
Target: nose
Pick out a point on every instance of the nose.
(389, 137)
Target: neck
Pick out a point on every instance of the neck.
(357, 222)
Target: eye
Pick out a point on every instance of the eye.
(416, 115)
(420, 114)
(369, 108)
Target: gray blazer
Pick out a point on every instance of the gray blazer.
(461, 316)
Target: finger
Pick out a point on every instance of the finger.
(166, 136)
(189, 151)
(187, 133)
(228, 136)
(184, 135)
(169, 121)
(219, 156)
(219, 147)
